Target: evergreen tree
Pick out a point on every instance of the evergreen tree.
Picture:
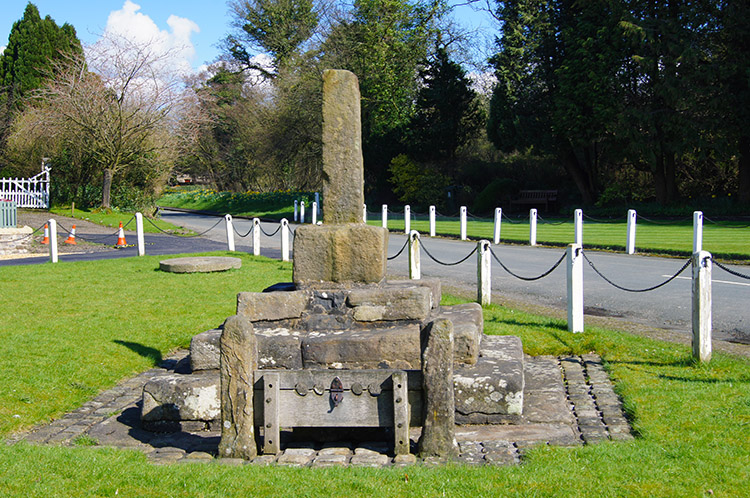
(35, 45)
(448, 113)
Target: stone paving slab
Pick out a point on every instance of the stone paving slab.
(569, 401)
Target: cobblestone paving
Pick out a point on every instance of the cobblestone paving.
(568, 401)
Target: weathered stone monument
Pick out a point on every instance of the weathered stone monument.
(341, 346)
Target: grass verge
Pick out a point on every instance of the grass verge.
(73, 329)
(113, 219)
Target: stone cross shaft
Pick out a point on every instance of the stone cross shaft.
(343, 170)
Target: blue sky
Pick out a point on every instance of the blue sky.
(195, 26)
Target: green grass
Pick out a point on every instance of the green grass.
(72, 329)
(270, 205)
(724, 239)
(113, 219)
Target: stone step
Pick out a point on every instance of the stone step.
(380, 345)
(488, 392)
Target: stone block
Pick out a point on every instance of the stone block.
(431, 283)
(204, 350)
(438, 435)
(239, 359)
(199, 264)
(343, 166)
(382, 347)
(277, 348)
(390, 303)
(494, 385)
(468, 330)
(343, 254)
(272, 305)
(182, 397)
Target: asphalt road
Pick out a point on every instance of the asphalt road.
(668, 307)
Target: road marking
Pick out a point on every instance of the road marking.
(714, 281)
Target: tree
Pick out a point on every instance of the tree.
(118, 116)
(447, 114)
(275, 27)
(35, 45)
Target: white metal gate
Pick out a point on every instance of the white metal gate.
(27, 192)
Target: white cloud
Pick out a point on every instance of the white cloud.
(2, 49)
(141, 30)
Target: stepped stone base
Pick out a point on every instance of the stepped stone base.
(199, 264)
(488, 392)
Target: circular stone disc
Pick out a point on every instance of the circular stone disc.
(199, 264)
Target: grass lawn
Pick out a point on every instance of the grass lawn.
(724, 239)
(113, 219)
(71, 330)
(267, 205)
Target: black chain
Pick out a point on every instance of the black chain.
(240, 235)
(591, 264)
(528, 279)
(600, 220)
(730, 271)
(551, 222)
(724, 226)
(186, 236)
(399, 251)
(269, 234)
(448, 264)
(510, 220)
(674, 222)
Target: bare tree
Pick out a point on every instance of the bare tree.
(113, 106)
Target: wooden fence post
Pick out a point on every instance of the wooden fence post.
(702, 306)
(296, 216)
(139, 234)
(484, 273)
(697, 231)
(53, 241)
(630, 242)
(463, 222)
(230, 229)
(532, 227)
(314, 213)
(498, 224)
(256, 237)
(384, 215)
(407, 219)
(432, 221)
(415, 267)
(284, 239)
(575, 288)
(578, 227)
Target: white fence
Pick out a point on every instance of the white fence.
(27, 192)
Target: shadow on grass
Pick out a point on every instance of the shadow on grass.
(681, 362)
(514, 322)
(147, 352)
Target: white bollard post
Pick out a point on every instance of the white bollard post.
(484, 275)
(407, 219)
(284, 240)
(432, 221)
(317, 203)
(578, 227)
(139, 234)
(302, 212)
(463, 222)
(697, 231)
(52, 241)
(702, 306)
(415, 267)
(295, 210)
(532, 227)
(364, 213)
(256, 237)
(630, 242)
(384, 215)
(314, 213)
(230, 230)
(498, 224)
(575, 288)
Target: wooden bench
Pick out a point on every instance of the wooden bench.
(337, 398)
(535, 198)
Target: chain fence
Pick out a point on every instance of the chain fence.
(528, 279)
(626, 289)
(730, 271)
(427, 252)
(406, 243)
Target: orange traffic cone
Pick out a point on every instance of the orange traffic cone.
(72, 237)
(45, 240)
(121, 238)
